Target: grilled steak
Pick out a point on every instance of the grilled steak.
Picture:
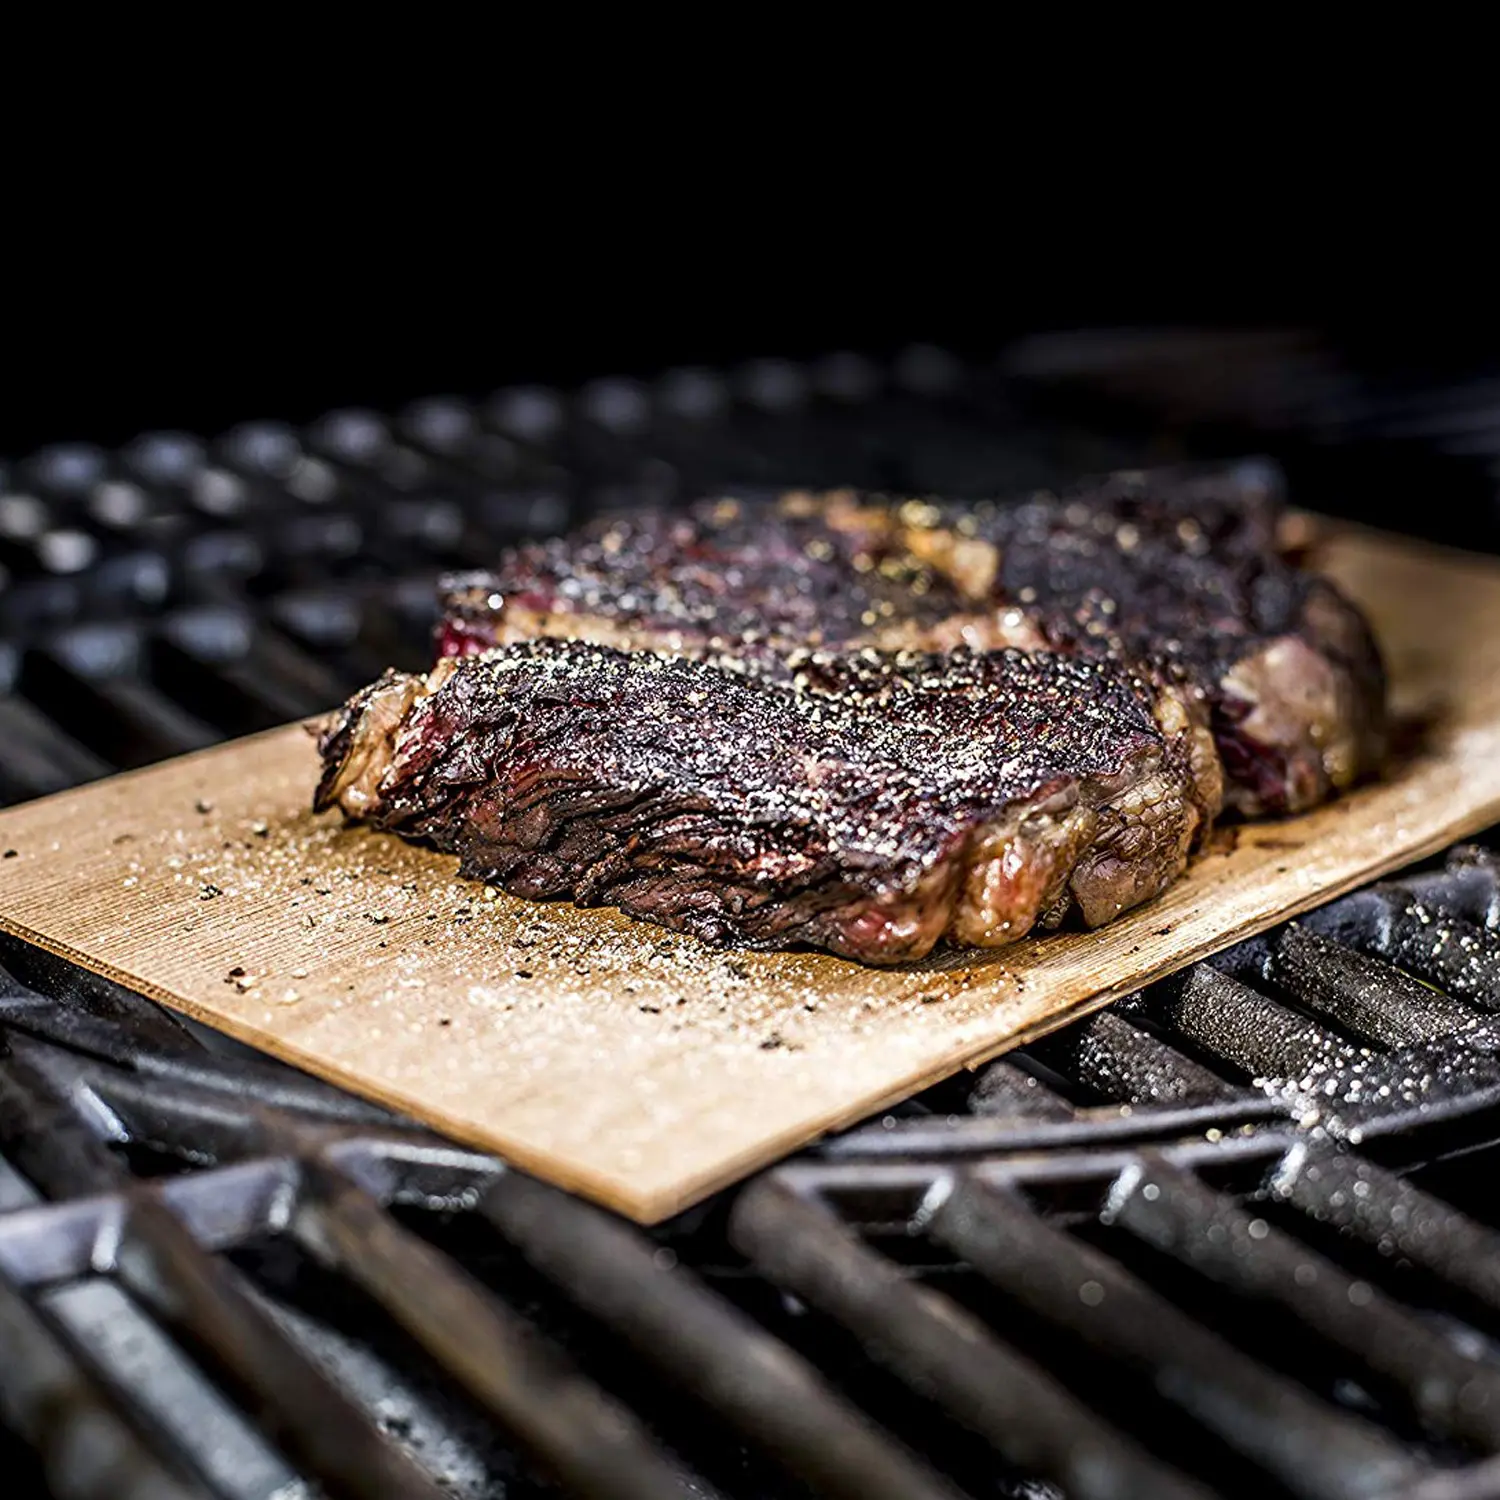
(870, 724)
(1181, 574)
(1286, 666)
(869, 803)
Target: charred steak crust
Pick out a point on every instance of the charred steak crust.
(1183, 574)
(869, 803)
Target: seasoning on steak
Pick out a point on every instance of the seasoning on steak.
(1287, 667)
(869, 803)
(1181, 573)
(763, 577)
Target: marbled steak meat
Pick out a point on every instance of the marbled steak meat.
(1178, 572)
(868, 802)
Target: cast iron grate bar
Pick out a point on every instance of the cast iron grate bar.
(937, 1348)
(170, 1399)
(86, 1450)
(163, 1266)
(1400, 1221)
(1313, 1451)
(592, 1443)
(711, 1351)
(1177, 1215)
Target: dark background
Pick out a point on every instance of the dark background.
(195, 281)
(102, 352)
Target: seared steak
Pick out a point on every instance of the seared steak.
(1286, 666)
(1180, 574)
(870, 724)
(865, 802)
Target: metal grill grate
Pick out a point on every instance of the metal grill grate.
(1233, 1236)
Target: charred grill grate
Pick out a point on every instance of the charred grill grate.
(1232, 1236)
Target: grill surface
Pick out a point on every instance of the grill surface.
(1233, 1236)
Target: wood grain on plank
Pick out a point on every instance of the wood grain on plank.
(640, 1067)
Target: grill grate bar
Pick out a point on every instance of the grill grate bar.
(43, 1135)
(90, 998)
(1479, 1483)
(1007, 1091)
(711, 1351)
(1468, 885)
(15, 1191)
(1109, 1055)
(1399, 1220)
(971, 1136)
(127, 718)
(291, 1398)
(158, 1260)
(1366, 995)
(168, 1395)
(1425, 938)
(1176, 1214)
(242, 676)
(47, 1243)
(942, 1351)
(194, 1077)
(87, 1452)
(1312, 1450)
(39, 757)
(595, 1445)
(1246, 1030)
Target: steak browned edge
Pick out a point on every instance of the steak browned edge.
(1182, 572)
(868, 803)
